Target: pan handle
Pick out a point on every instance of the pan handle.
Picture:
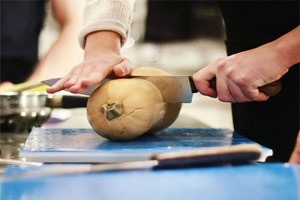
(67, 101)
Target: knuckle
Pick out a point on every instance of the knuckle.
(226, 70)
(220, 66)
(225, 98)
(241, 80)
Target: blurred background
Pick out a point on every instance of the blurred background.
(177, 36)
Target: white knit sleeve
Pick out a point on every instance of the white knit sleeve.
(113, 15)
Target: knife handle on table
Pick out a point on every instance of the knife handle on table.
(270, 89)
(235, 154)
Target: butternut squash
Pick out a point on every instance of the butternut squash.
(124, 109)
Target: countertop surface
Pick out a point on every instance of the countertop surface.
(257, 181)
(252, 181)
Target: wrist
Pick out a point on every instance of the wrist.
(100, 41)
(288, 48)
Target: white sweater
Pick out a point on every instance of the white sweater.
(113, 15)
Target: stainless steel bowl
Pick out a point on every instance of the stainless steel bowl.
(22, 111)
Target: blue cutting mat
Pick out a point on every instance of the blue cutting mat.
(84, 145)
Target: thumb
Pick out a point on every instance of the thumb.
(124, 68)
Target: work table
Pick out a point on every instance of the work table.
(247, 181)
(257, 181)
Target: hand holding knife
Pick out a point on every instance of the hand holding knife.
(185, 87)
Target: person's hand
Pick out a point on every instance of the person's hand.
(102, 58)
(6, 84)
(240, 75)
(295, 157)
(92, 71)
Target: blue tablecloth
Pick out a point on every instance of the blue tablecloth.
(255, 182)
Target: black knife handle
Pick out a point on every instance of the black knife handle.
(74, 101)
(194, 89)
(67, 101)
(192, 84)
(241, 153)
(270, 89)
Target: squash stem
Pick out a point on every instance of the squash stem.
(112, 109)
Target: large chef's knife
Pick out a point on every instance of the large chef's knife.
(182, 87)
(212, 156)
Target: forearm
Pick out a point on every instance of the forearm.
(63, 55)
(288, 47)
(295, 157)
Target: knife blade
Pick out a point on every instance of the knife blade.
(182, 87)
(211, 156)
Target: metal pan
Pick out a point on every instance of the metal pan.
(20, 111)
